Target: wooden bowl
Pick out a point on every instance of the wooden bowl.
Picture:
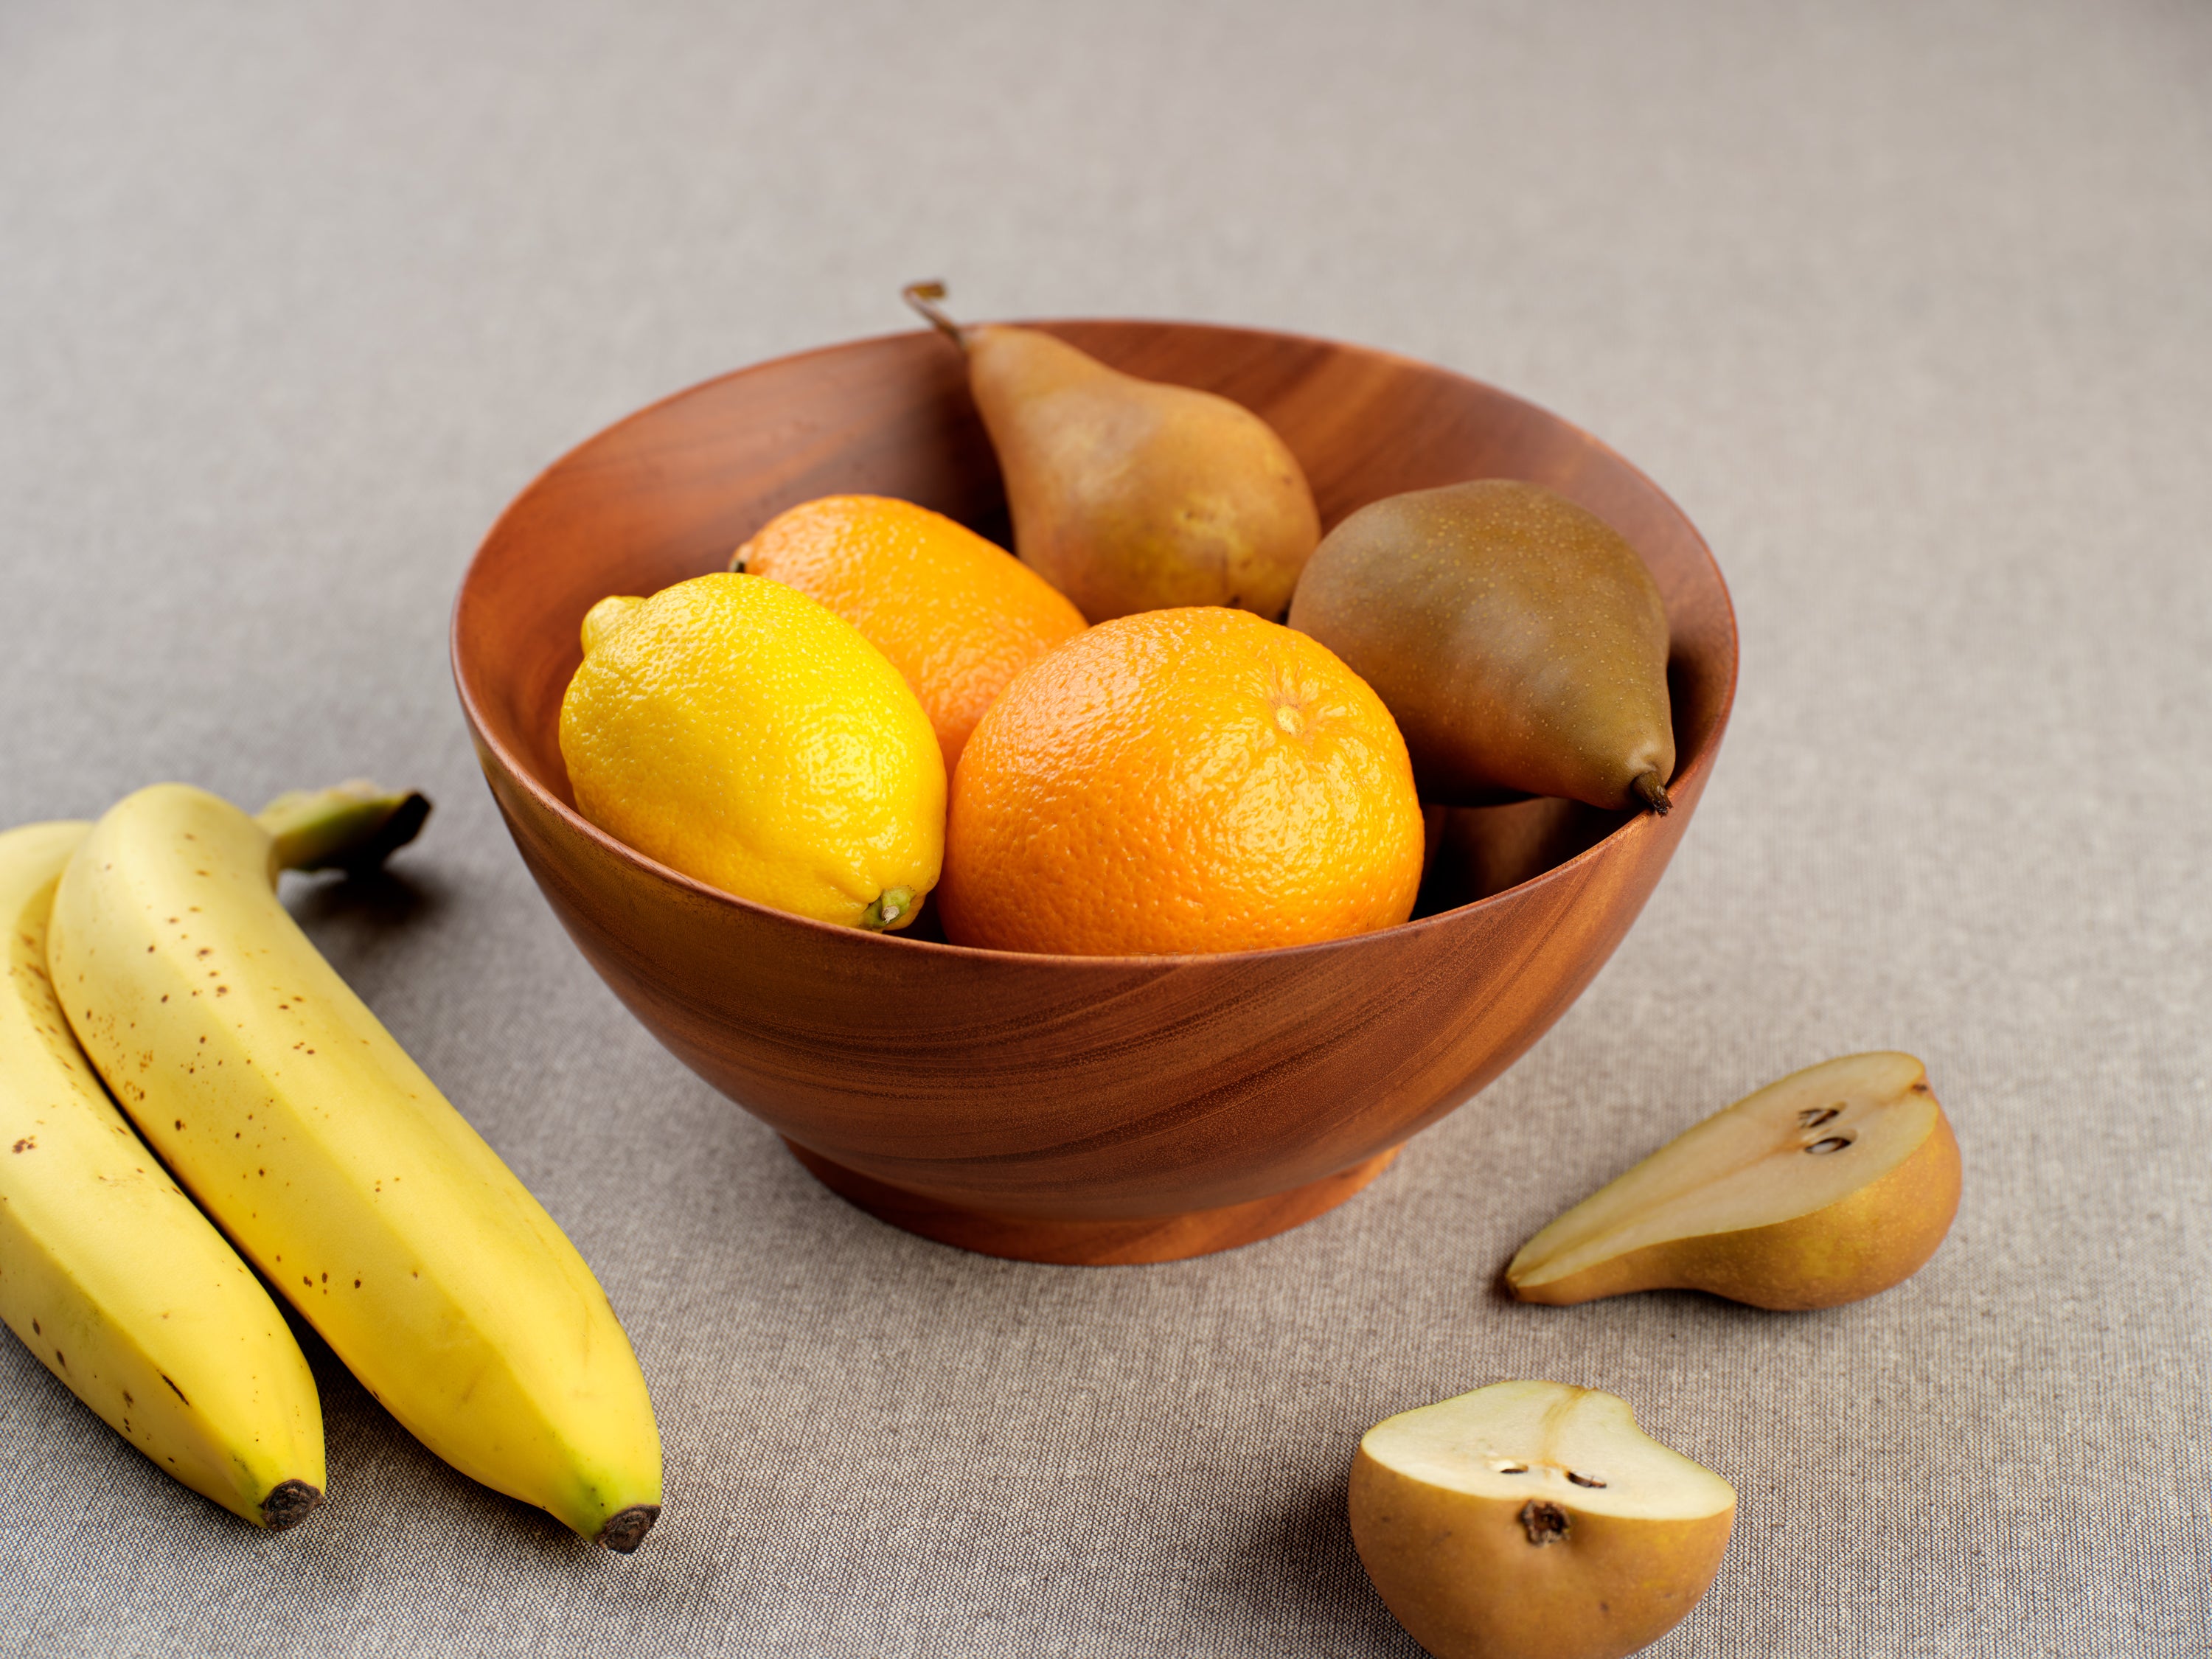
(1069, 1109)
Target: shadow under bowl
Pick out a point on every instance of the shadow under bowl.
(1068, 1109)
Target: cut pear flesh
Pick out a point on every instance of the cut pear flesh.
(1832, 1184)
(1579, 1449)
(1533, 1518)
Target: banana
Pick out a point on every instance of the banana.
(298, 1122)
(120, 1287)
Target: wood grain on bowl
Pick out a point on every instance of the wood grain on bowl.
(1059, 1108)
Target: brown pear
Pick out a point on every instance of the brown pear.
(1533, 1521)
(1520, 643)
(1831, 1185)
(1130, 494)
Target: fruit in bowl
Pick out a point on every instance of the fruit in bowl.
(736, 730)
(1056, 1106)
(1130, 493)
(957, 615)
(1517, 638)
(1184, 779)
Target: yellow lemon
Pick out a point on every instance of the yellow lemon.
(736, 730)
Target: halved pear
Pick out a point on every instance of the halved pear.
(1535, 1519)
(1834, 1183)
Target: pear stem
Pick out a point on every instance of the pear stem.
(920, 296)
(353, 826)
(1648, 787)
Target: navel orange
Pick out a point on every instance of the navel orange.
(1187, 780)
(958, 616)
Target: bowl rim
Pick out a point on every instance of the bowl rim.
(1700, 765)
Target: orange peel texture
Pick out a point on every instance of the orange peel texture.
(1187, 779)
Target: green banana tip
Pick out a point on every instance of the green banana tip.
(353, 827)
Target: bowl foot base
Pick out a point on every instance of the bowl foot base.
(1091, 1243)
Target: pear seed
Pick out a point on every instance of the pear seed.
(1832, 1143)
(1584, 1480)
(1812, 1117)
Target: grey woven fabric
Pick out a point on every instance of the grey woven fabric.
(1908, 306)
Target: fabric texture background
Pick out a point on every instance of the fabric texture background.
(1907, 305)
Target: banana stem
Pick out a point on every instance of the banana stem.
(920, 296)
(352, 827)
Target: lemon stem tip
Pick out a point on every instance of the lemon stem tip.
(887, 909)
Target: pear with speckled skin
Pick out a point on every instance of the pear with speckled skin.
(1519, 642)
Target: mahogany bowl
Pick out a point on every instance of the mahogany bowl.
(1070, 1108)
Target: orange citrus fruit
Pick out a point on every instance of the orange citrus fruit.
(958, 616)
(1187, 780)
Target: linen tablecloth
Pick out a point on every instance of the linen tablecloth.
(1907, 305)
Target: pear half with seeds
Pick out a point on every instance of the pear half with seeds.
(1831, 1185)
(1536, 1520)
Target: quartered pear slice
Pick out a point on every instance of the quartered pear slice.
(1833, 1184)
(1535, 1519)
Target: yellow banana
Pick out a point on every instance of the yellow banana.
(120, 1287)
(300, 1124)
